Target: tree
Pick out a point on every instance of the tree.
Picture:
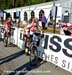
(8, 4)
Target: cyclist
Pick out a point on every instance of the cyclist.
(34, 27)
(8, 25)
(66, 31)
(65, 28)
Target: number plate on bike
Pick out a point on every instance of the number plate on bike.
(35, 38)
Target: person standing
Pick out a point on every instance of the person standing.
(44, 20)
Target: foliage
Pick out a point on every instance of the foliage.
(8, 4)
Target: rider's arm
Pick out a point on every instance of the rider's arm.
(26, 27)
(40, 26)
(40, 29)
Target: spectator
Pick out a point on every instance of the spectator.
(66, 30)
(44, 20)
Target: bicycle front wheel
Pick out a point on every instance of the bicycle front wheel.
(33, 55)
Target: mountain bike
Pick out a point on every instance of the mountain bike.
(33, 48)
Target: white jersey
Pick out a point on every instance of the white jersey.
(32, 29)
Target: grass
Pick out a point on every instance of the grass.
(20, 26)
(50, 30)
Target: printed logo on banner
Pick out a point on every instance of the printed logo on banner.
(57, 50)
(21, 35)
(57, 45)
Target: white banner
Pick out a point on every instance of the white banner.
(57, 50)
(53, 48)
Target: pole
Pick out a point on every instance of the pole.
(54, 17)
(29, 9)
(53, 2)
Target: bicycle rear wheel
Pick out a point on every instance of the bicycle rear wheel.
(33, 55)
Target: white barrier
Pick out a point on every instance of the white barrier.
(58, 50)
(17, 38)
(53, 48)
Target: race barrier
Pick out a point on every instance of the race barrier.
(53, 48)
(57, 50)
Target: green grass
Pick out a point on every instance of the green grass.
(50, 30)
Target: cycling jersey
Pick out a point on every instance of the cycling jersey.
(8, 25)
(32, 28)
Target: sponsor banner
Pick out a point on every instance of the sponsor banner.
(53, 48)
(57, 49)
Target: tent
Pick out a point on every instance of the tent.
(2, 13)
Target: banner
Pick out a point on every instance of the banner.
(57, 49)
(53, 48)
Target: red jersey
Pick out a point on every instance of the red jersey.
(32, 28)
(8, 25)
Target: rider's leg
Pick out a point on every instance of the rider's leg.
(9, 38)
(28, 41)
